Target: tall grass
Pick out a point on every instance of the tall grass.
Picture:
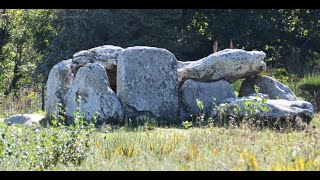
(81, 146)
(309, 87)
(225, 148)
(310, 82)
(236, 86)
(28, 102)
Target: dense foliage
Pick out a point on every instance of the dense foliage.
(33, 40)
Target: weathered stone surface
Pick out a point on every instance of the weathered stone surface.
(92, 88)
(106, 55)
(228, 64)
(25, 119)
(182, 64)
(279, 108)
(283, 107)
(58, 84)
(17, 119)
(267, 85)
(209, 93)
(183, 115)
(147, 82)
(81, 58)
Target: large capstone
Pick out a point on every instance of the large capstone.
(147, 82)
(228, 64)
(209, 94)
(90, 95)
(105, 55)
(267, 85)
(58, 84)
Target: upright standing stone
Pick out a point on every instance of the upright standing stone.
(147, 82)
(209, 93)
(58, 84)
(273, 88)
(91, 92)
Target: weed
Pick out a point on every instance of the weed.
(187, 124)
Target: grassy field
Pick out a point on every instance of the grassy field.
(150, 148)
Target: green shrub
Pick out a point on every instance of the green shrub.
(310, 89)
(236, 86)
(38, 148)
(310, 82)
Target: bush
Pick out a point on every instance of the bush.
(310, 89)
(310, 82)
(38, 148)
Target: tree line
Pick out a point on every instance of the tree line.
(32, 41)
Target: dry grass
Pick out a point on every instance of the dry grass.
(176, 149)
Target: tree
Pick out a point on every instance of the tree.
(5, 35)
(24, 47)
(84, 29)
(39, 39)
